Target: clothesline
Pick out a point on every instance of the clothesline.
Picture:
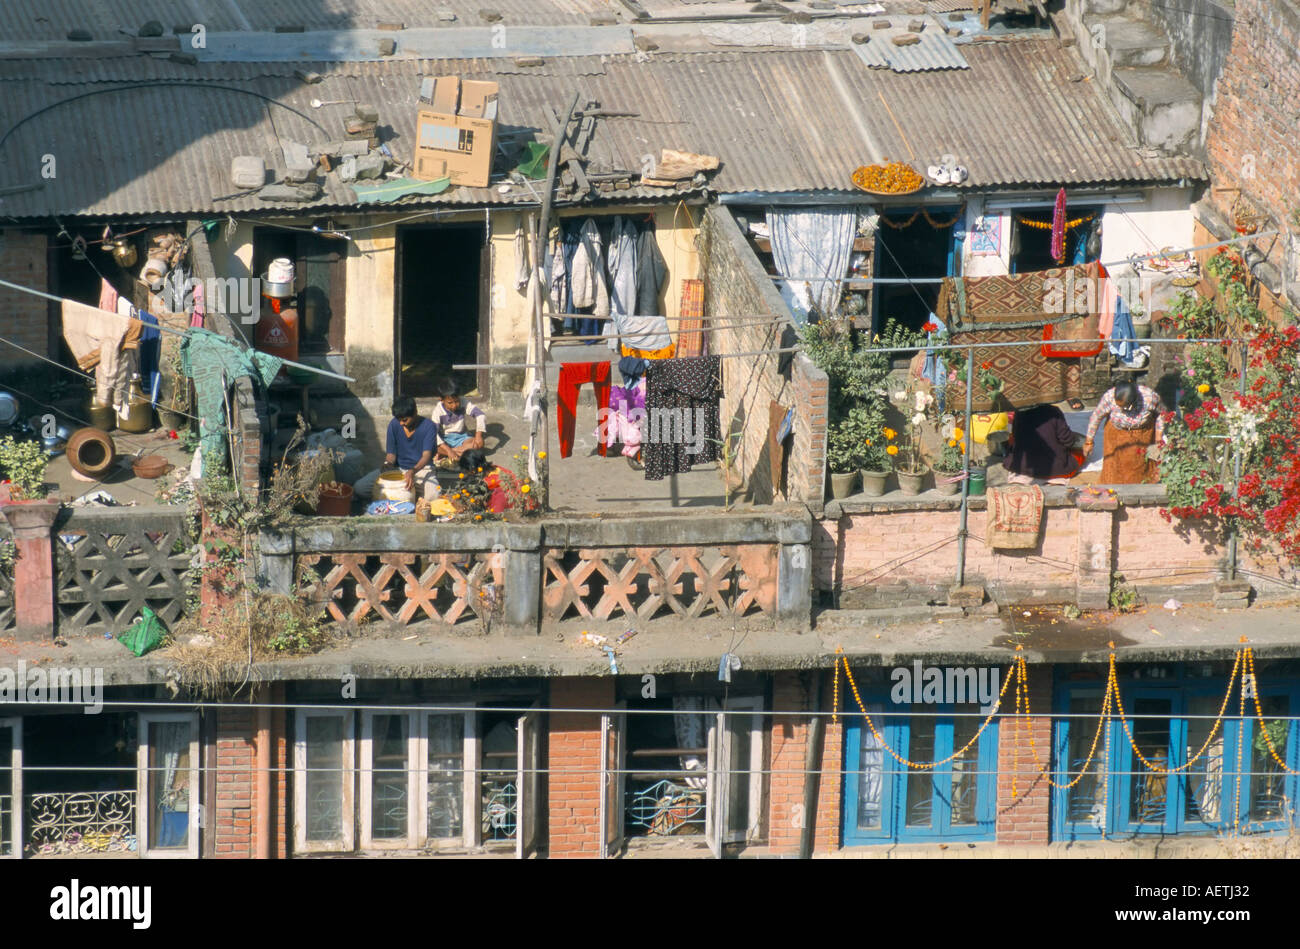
(161, 327)
(514, 365)
(1115, 263)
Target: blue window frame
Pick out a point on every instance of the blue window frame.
(887, 801)
(1116, 792)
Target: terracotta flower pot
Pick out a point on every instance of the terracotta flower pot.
(842, 484)
(912, 482)
(947, 482)
(874, 483)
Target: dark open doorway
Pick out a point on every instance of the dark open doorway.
(440, 306)
(1031, 240)
(909, 245)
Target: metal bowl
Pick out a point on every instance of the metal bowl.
(8, 409)
(277, 289)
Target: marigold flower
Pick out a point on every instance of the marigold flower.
(1203, 388)
(525, 489)
(461, 476)
(868, 441)
(541, 456)
(890, 434)
(478, 517)
(523, 448)
(952, 443)
(892, 449)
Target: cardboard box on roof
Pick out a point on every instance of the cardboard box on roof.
(456, 131)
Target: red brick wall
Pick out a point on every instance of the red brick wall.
(1252, 142)
(1024, 747)
(573, 775)
(236, 764)
(739, 291)
(794, 691)
(24, 317)
(906, 556)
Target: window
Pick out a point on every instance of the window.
(169, 783)
(320, 269)
(1225, 776)
(696, 772)
(1031, 238)
(11, 786)
(887, 801)
(421, 779)
(913, 245)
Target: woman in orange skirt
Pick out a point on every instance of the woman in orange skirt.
(1133, 435)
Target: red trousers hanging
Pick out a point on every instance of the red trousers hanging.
(572, 376)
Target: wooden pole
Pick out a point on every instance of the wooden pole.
(543, 284)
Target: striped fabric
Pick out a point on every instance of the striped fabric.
(690, 331)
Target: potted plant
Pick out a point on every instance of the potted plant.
(22, 465)
(877, 455)
(951, 463)
(844, 454)
(915, 403)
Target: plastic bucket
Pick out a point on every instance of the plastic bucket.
(335, 502)
(978, 482)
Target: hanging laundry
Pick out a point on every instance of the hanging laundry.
(651, 271)
(1058, 228)
(213, 362)
(587, 272)
(623, 422)
(149, 353)
(95, 337)
(1122, 333)
(573, 375)
(559, 272)
(682, 415)
(622, 268)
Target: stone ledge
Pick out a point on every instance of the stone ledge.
(1054, 496)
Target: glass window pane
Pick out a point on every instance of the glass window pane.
(1204, 775)
(871, 778)
(738, 780)
(446, 803)
(1267, 780)
(169, 785)
(6, 792)
(965, 767)
(1083, 801)
(390, 778)
(920, 784)
(1148, 790)
(324, 777)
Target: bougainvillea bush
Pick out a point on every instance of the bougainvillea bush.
(1247, 437)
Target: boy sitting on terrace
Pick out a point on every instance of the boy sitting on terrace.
(450, 416)
(409, 445)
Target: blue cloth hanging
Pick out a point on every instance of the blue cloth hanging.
(1122, 333)
(935, 368)
(150, 353)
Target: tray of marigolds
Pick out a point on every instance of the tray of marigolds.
(889, 178)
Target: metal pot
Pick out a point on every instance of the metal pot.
(277, 289)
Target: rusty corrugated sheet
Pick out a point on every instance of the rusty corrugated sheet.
(780, 121)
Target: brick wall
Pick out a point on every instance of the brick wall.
(737, 289)
(878, 555)
(1024, 747)
(234, 810)
(24, 317)
(573, 775)
(795, 691)
(1251, 142)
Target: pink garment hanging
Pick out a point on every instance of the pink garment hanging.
(107, 296)
(196, 318)
(1058, 228)
(1107, 295)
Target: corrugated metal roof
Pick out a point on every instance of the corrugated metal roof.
(934, 51)
(27, 20)
(780, 121)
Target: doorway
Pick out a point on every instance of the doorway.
(441, 307)
(916, 246)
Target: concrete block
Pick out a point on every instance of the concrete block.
(489, 16)
(390, 26)
(1232, 595)
(387, 47)
(969, 596)
(645, 44)
(369, 166)
(915, 26)
(367, 112)
(152, 28)
(907, 39)
(307, 191)
(248, 171)
(880, 24)
(298, 164)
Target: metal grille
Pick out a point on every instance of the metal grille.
(500, 809)
(665, 808)
(82, 822)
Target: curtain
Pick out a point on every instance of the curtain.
(692, 726)
(812, 243)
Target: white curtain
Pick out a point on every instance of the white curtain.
(812, 243)
(692, 727)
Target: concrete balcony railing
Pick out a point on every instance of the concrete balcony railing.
(523, 576)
